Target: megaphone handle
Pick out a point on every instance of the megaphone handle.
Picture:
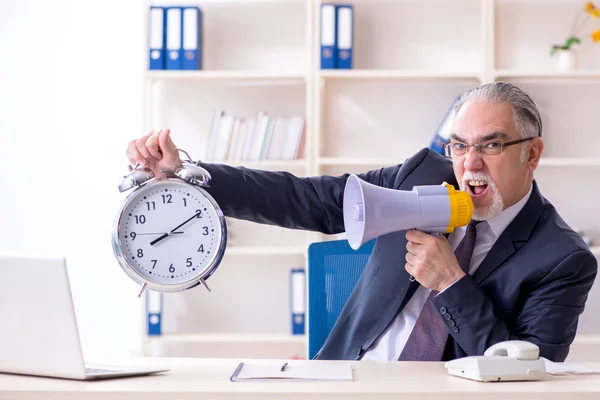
(412, 278)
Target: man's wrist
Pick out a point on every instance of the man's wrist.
(452, 281)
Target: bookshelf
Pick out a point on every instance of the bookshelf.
(591, 76)
(227, 76)
(411, 59)
(393, 75)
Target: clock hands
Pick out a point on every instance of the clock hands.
(159, 233)
(172, 231)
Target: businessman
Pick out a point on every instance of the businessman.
(517, 272)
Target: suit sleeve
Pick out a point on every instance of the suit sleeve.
(548, 317)
(283, 199)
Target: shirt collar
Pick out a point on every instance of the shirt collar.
(499, 223)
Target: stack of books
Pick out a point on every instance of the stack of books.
(259, 137)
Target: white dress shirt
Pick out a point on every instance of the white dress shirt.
(390, 343)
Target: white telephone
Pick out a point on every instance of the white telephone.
(512, 360)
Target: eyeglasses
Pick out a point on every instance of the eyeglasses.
(490, 148)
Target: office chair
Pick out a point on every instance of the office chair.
(333, 271)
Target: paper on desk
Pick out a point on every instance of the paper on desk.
(303, 370)
(559, 368)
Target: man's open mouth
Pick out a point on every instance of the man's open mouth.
(477, 188)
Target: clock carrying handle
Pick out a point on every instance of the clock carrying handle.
(189, 159)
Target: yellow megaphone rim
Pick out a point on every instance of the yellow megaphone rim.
(461, 208)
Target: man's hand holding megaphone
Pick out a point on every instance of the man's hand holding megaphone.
(431, 260)
(424, 212)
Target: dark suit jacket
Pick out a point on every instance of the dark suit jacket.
(532, 285)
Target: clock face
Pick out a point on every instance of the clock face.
(170, 233)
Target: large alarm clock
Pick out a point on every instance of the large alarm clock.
(170, 234)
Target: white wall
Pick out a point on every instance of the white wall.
(70, 99)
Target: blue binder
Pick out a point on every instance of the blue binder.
(154, 313)
(345, 36)
(298, 300)
(192, 38)
(444, 131)
(156, 38)
(328, 36)
(174, 28)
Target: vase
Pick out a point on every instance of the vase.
(566, 60)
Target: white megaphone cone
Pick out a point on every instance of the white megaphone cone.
(371, 211)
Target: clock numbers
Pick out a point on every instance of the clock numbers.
(160, 231)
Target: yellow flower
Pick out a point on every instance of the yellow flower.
(592, 9)
(596, 35)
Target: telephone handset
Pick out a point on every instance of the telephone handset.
(514, 348)
(512, 360)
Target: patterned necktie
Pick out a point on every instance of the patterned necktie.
(429, 335)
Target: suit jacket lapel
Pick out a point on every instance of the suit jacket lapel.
(517, 231)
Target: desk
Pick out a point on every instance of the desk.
(202, 379)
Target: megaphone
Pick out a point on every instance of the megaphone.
(371, 211)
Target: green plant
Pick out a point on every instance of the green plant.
(571, 40)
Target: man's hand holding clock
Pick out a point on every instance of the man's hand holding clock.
(155, 151)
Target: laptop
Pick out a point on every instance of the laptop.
(38, 329)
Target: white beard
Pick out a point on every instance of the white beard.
(485, 213)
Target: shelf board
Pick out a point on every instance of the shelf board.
(301, 251)
(266, 251)
(341, 161)
(569, 162)
(266, 164)
(394, 74)
(587, 338)
(383, 162)
(207, 75)
(229, 338)
(524, 74)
